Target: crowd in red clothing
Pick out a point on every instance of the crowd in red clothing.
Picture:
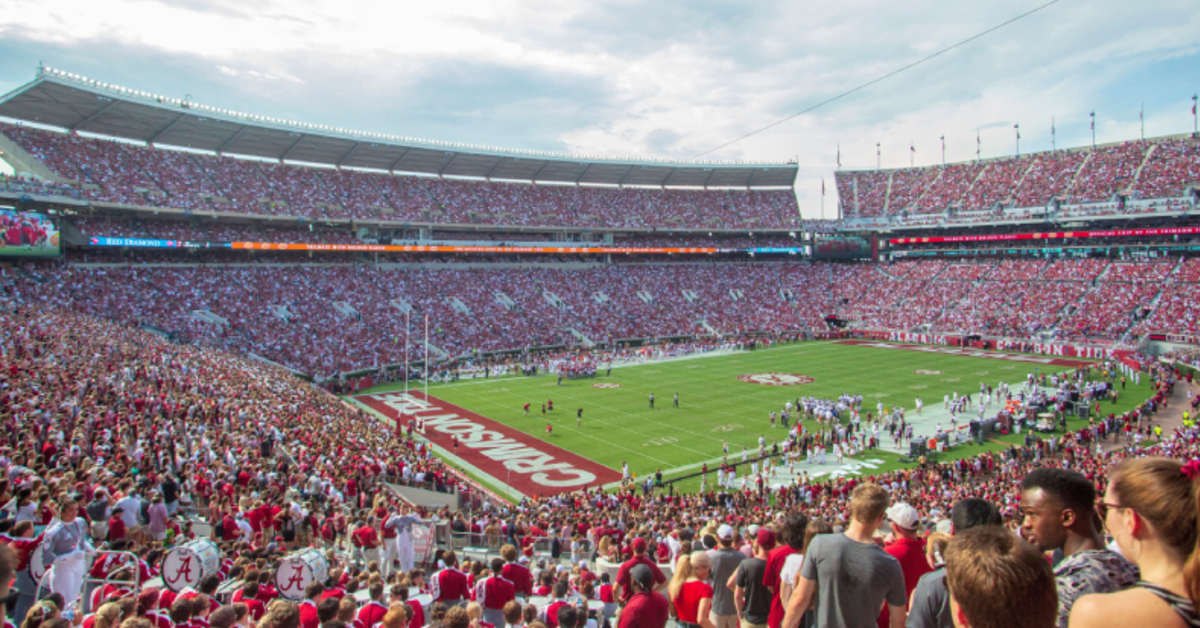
(335, 318)
(1072, 176)
(119, 172)
(106, 416)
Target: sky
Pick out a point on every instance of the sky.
(661, 79)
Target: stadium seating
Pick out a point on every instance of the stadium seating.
(295, 314)
(119, 172)
(1109, 170)
(1075, 177)
(1170, 166)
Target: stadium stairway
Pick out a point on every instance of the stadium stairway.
(1075, 177)
(583, 340)
(1137, 174)
(916, 204)
(430, 500)
(1152, 306)
(887, 195)
(967, 192)
(1021, 181)
(25, 163)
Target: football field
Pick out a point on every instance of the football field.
(727, 398)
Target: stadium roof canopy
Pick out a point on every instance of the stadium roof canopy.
(77, 103)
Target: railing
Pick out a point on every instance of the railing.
(90, 584)
(481, 545)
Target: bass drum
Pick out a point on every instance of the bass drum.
(298, 570)
(185, 565)
(36, 568)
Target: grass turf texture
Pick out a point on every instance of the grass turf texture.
(618, 424)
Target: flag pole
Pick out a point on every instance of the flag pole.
(406, 312)
(1195, 123)
(427, 355)
(822, 197)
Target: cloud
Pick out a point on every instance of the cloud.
(257, 74)
(667, 80)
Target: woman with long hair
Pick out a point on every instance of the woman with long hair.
(691, 595)
(1150, 509)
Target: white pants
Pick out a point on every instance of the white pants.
(405, 547)
(390, 553)
(66, 576)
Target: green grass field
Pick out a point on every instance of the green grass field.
(618, 424)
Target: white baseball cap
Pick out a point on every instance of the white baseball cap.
(903, 515)
(725, 531)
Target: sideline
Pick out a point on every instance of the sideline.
(474, 381)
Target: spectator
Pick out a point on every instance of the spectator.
(1058, 515)
(691, 594)
(797, 536)
(725, 560)
(646, 607)
(1150, 507)
(998, 580)
(793, 528)
(906, 547)
(8, 567)
(624, 590)
(752, 597)
(848, 573)
(929, 605)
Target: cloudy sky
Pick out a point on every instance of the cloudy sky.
(660, 79)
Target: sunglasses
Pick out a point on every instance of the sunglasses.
(1102, 509)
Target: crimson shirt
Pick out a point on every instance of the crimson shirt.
(645, 610)
(623, 575)
(687, 603)
(775, 562)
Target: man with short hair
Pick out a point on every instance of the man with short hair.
(515, 572)
(493, 593)
(724, 560)
(929, 605)
(907, 547)
(998, 580)
(1058, 513)
(751, 596)
(449, 585)
(848, 573)
(308, 607)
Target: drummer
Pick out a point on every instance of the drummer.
(493, 593)
(449, 585)
(24, 542)
(516, 572)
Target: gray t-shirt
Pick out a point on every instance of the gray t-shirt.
(758, 596)
(930, 602)
(724, 563)
(853, 581)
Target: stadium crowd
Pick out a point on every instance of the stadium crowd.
(329, 316)
(146, 442)
(1140, 169)
(120, 172)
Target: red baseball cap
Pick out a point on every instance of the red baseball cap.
(765, 538)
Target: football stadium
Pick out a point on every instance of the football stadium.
(287, 374)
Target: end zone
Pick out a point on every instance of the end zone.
(529, 465)
(971, 353)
